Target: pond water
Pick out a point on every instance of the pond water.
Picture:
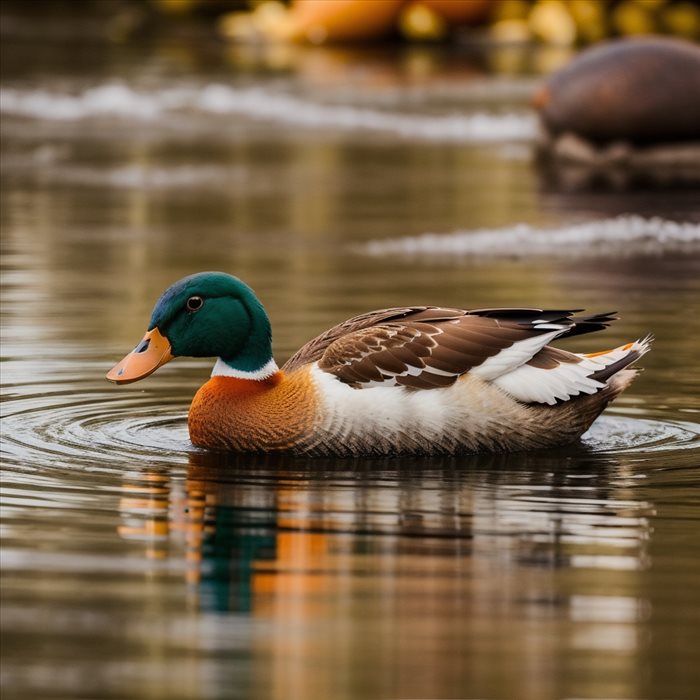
(136, 566)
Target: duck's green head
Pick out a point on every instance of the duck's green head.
(209, 314)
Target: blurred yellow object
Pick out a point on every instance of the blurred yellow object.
(551, 58)
(511, 30)
(511, 9)
(238, 26)
(551, 22)
(682, 19)
(456, 12)
(419, 22)
(318, 21)
(651, 4)
(175, 7)
(271, 18)
(631, 18)
(590, 19)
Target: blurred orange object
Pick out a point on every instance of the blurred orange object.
(318, 21)
(457, 12)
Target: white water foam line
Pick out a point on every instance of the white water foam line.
(117, 100)
(633, 235)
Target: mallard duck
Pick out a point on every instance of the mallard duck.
(407, 380)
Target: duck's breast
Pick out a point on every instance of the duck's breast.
(279, 414)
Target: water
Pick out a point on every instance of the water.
(135, 565)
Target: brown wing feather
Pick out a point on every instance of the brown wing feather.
(428, 347)
(551, 358)
(314, 349)
(420, 354)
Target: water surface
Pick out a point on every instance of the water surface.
(135, 565)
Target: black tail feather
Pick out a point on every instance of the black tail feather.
(590, 324)
(578, 324)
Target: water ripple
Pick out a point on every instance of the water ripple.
(94, 430)
(99, 430)
(614, 434)
(623, 235)
(117, 100)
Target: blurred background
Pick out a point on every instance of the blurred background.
(560, 22)
(341, 156)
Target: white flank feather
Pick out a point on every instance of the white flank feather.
(514, 356)
(396, 413)
(536, 385)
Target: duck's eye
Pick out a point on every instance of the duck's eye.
(194, 303)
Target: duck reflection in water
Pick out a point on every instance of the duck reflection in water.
(425, 567)
(253, 526)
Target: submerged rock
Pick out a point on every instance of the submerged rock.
(631, 101)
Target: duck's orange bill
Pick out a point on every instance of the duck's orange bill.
(152, 352)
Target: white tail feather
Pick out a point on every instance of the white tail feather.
(531, 384)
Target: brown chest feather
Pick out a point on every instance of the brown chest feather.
(276, 414)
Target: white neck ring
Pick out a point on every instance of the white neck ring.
(221, 369)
